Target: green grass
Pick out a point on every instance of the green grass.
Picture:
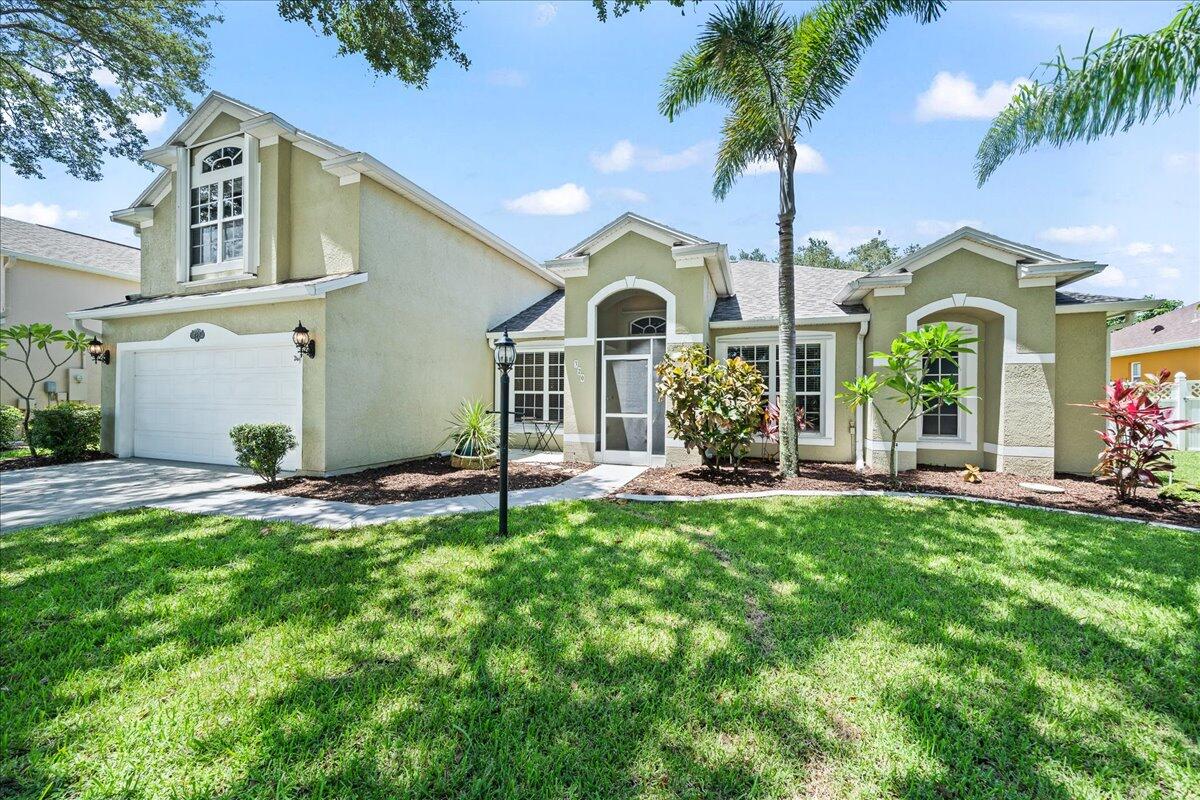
(1185, 480)
(19, 452)
(856, 647)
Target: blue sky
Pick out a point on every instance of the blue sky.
(558, 114)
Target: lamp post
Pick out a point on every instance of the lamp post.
(506, 356)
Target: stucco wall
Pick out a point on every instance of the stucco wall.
(1082, 339)
(273, 318)
(409, 345)
(1185, 360)
(35, 292)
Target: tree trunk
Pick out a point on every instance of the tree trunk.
(786, 362)
(893, 467)
(28, 434)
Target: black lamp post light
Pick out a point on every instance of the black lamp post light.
(506, 356)
(98, 353)
(303, 340)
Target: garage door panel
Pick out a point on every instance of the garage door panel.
(186, 401)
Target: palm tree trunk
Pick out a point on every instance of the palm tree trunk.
(787, 312)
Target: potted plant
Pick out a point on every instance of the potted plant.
(473, 433)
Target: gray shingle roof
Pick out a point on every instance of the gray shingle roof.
(544, 316)
(1079, 298)
(1180, 325)
(40, 241)
(756, 292)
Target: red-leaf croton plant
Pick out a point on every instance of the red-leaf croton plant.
(1137, 435)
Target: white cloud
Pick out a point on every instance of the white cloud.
(937, 228)
(1135, 249)
(149, 123)
(625, 195)
(953, 96)
(105, 78)
(808, 161)
(544, 14)
(1080, 234)
(1184, 161)
(618, 158)
(842, 239)
(1112, 278)
(508, 78)
(1170, 273)
(39, 213)
(655, 161)
(1166, 249)
(562, 201)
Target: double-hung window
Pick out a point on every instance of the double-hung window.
(814, 359)
(944, 425)
(940, 419)
(217, 210)
(537, 385)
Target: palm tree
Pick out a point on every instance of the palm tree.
(777, 75)
(1125, 81)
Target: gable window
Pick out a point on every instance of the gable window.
(537, 385)
(814, 387)
(217, 186)
(648, 326)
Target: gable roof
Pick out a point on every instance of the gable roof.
(335, 159)
(625, 223)
(1171, 331)
(755, 295)
(1030, 262)
(546, 316)
(69, 250)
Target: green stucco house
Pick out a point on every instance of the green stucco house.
(254, 226)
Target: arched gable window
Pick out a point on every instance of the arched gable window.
(222, 158)
(216, 212)
(648, 326)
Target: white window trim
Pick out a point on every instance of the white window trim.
(245, 267)
(828, 341)
(968, 423)
(522, 427)
(1135, 374)
(641, 315)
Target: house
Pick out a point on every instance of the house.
(46, 272)
(1169, 341)
(254, 227)
(636, 288)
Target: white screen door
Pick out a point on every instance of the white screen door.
(625, 429)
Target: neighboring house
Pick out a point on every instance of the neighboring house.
(1169, 341)
(636, 288)
(254, 225)
(44, 273)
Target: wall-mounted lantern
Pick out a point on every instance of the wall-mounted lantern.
(305, 345)
(98, 353)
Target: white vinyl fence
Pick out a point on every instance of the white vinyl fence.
(1183, 396)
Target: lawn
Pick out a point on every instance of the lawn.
(17, 452)
(1186, 477)
(857, 647)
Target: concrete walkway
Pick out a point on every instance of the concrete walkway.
(43, 495)
(597, 482)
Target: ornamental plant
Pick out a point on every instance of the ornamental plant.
(906, 376)
(68, 430)
(262, 447)
(32, 354)
(473, 432)
(713, 406)
(769, 427)
(1136, 436)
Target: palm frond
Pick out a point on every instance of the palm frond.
(747, 135)
(1128, 80)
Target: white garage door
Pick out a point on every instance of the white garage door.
(185, 401)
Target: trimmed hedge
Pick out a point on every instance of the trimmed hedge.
(68, 430)
(10, 425)
(262, 447)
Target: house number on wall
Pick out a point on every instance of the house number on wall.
(578, 369)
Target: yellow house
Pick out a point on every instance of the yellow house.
(46, 272)
(1169, 341)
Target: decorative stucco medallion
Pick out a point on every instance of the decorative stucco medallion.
(197, 334)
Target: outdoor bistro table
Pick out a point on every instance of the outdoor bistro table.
(543, 433)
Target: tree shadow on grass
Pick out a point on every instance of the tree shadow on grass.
(596, 652)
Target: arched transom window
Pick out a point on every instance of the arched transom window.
(648, 326)
(216, 212)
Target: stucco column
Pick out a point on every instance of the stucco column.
(579, 403)
(1026, 430)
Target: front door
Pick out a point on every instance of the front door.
(631, 418)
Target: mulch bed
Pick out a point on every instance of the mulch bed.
(26, 462)
(424, 479)
(1082, 494)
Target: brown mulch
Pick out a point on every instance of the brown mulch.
(424, 479)
(1082, 493)
(27, 462)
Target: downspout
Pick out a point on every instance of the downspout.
(860, 434)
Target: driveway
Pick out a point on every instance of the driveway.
(53, 494)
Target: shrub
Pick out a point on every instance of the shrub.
(67, 430)
(769, 428)
(11, 420)
(262, 447)
(1137, 436)
(714, 407)
(473, 431)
